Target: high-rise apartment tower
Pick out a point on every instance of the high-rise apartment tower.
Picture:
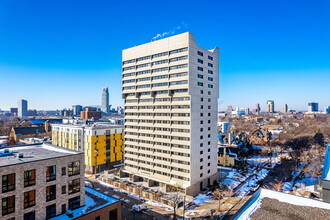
(22, 108)
(105, 100)
(270, 106)
(171, 90)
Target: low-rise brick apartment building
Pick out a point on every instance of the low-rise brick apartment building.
(45, 181)
(40, 181)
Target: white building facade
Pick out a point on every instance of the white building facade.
(171, 91)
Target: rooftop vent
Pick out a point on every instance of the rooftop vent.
(20, 155)
(69, 213)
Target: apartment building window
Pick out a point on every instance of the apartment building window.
(209, 114)
(51, 173)
(201, 91)
(208, 157)
(208, 135)
(201, 175)
(74, 168)
(200, 76)
(209, 92)
(74, 203)
(50, 193)
(210, 58)
(210, 78)
(209, 143)
(201, 122)
(200, 68)
(201, 106)
(209, 150)
(208, 171)
(210, 86)
(97, 218)
(8, 205)
(63, 208)
(29, 178)
(201, 114)
(209, 164)
(201, 152)
(63, 189)
(113, 215)
(210, 64)
(209, 107)
(29, 199)
(201, 144)
(200, 83)
(209, 121)
(209, 128)
(201, 160)
(201, 167)
(30, 215)
(201, 129)
(50, 211)
(202, 99)
(209, 100)
(201, 137)
(8, 182)
(199, 53)
(210, 71)
(63, 171)
(200, 61)
(74, 186)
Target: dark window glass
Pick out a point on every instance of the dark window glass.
(199, 53)
(50, 193)
(97, 218)
(200, 68)
(50, 211)
(210, 71)
(200, 76)
(29, 178)
(51, 173)
(200, 61)
(63, 208)
(63, 189)
(8, 182)
(74, 186)
(29, 199)
(210, 64)
(113, 214)
(8, 205)
(74, 168)
(30, 216)
(63, 171)
(74, 203)
(210, 58)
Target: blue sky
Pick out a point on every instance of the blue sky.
(59, 53)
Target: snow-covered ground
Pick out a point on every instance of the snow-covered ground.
(282, 197)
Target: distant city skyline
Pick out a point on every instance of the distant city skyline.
(54, 58)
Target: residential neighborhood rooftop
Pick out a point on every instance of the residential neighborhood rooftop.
(30, 153)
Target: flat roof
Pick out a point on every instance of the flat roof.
(32, 153)
(94, 200)
(89, 126)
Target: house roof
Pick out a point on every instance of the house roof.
(30, 130)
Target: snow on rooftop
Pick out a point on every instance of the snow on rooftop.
(326, 166)
(90, 205)
(255, 203)
(57, 149)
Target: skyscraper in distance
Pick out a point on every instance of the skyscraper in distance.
(270, 106)
(313, 107)
(285, 109)
(105, 100)
(22, 108)
(171, 90)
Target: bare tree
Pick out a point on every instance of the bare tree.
(175, 198)
(277, 186)
(218, 194)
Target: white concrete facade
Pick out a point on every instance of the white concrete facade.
(171, 91)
